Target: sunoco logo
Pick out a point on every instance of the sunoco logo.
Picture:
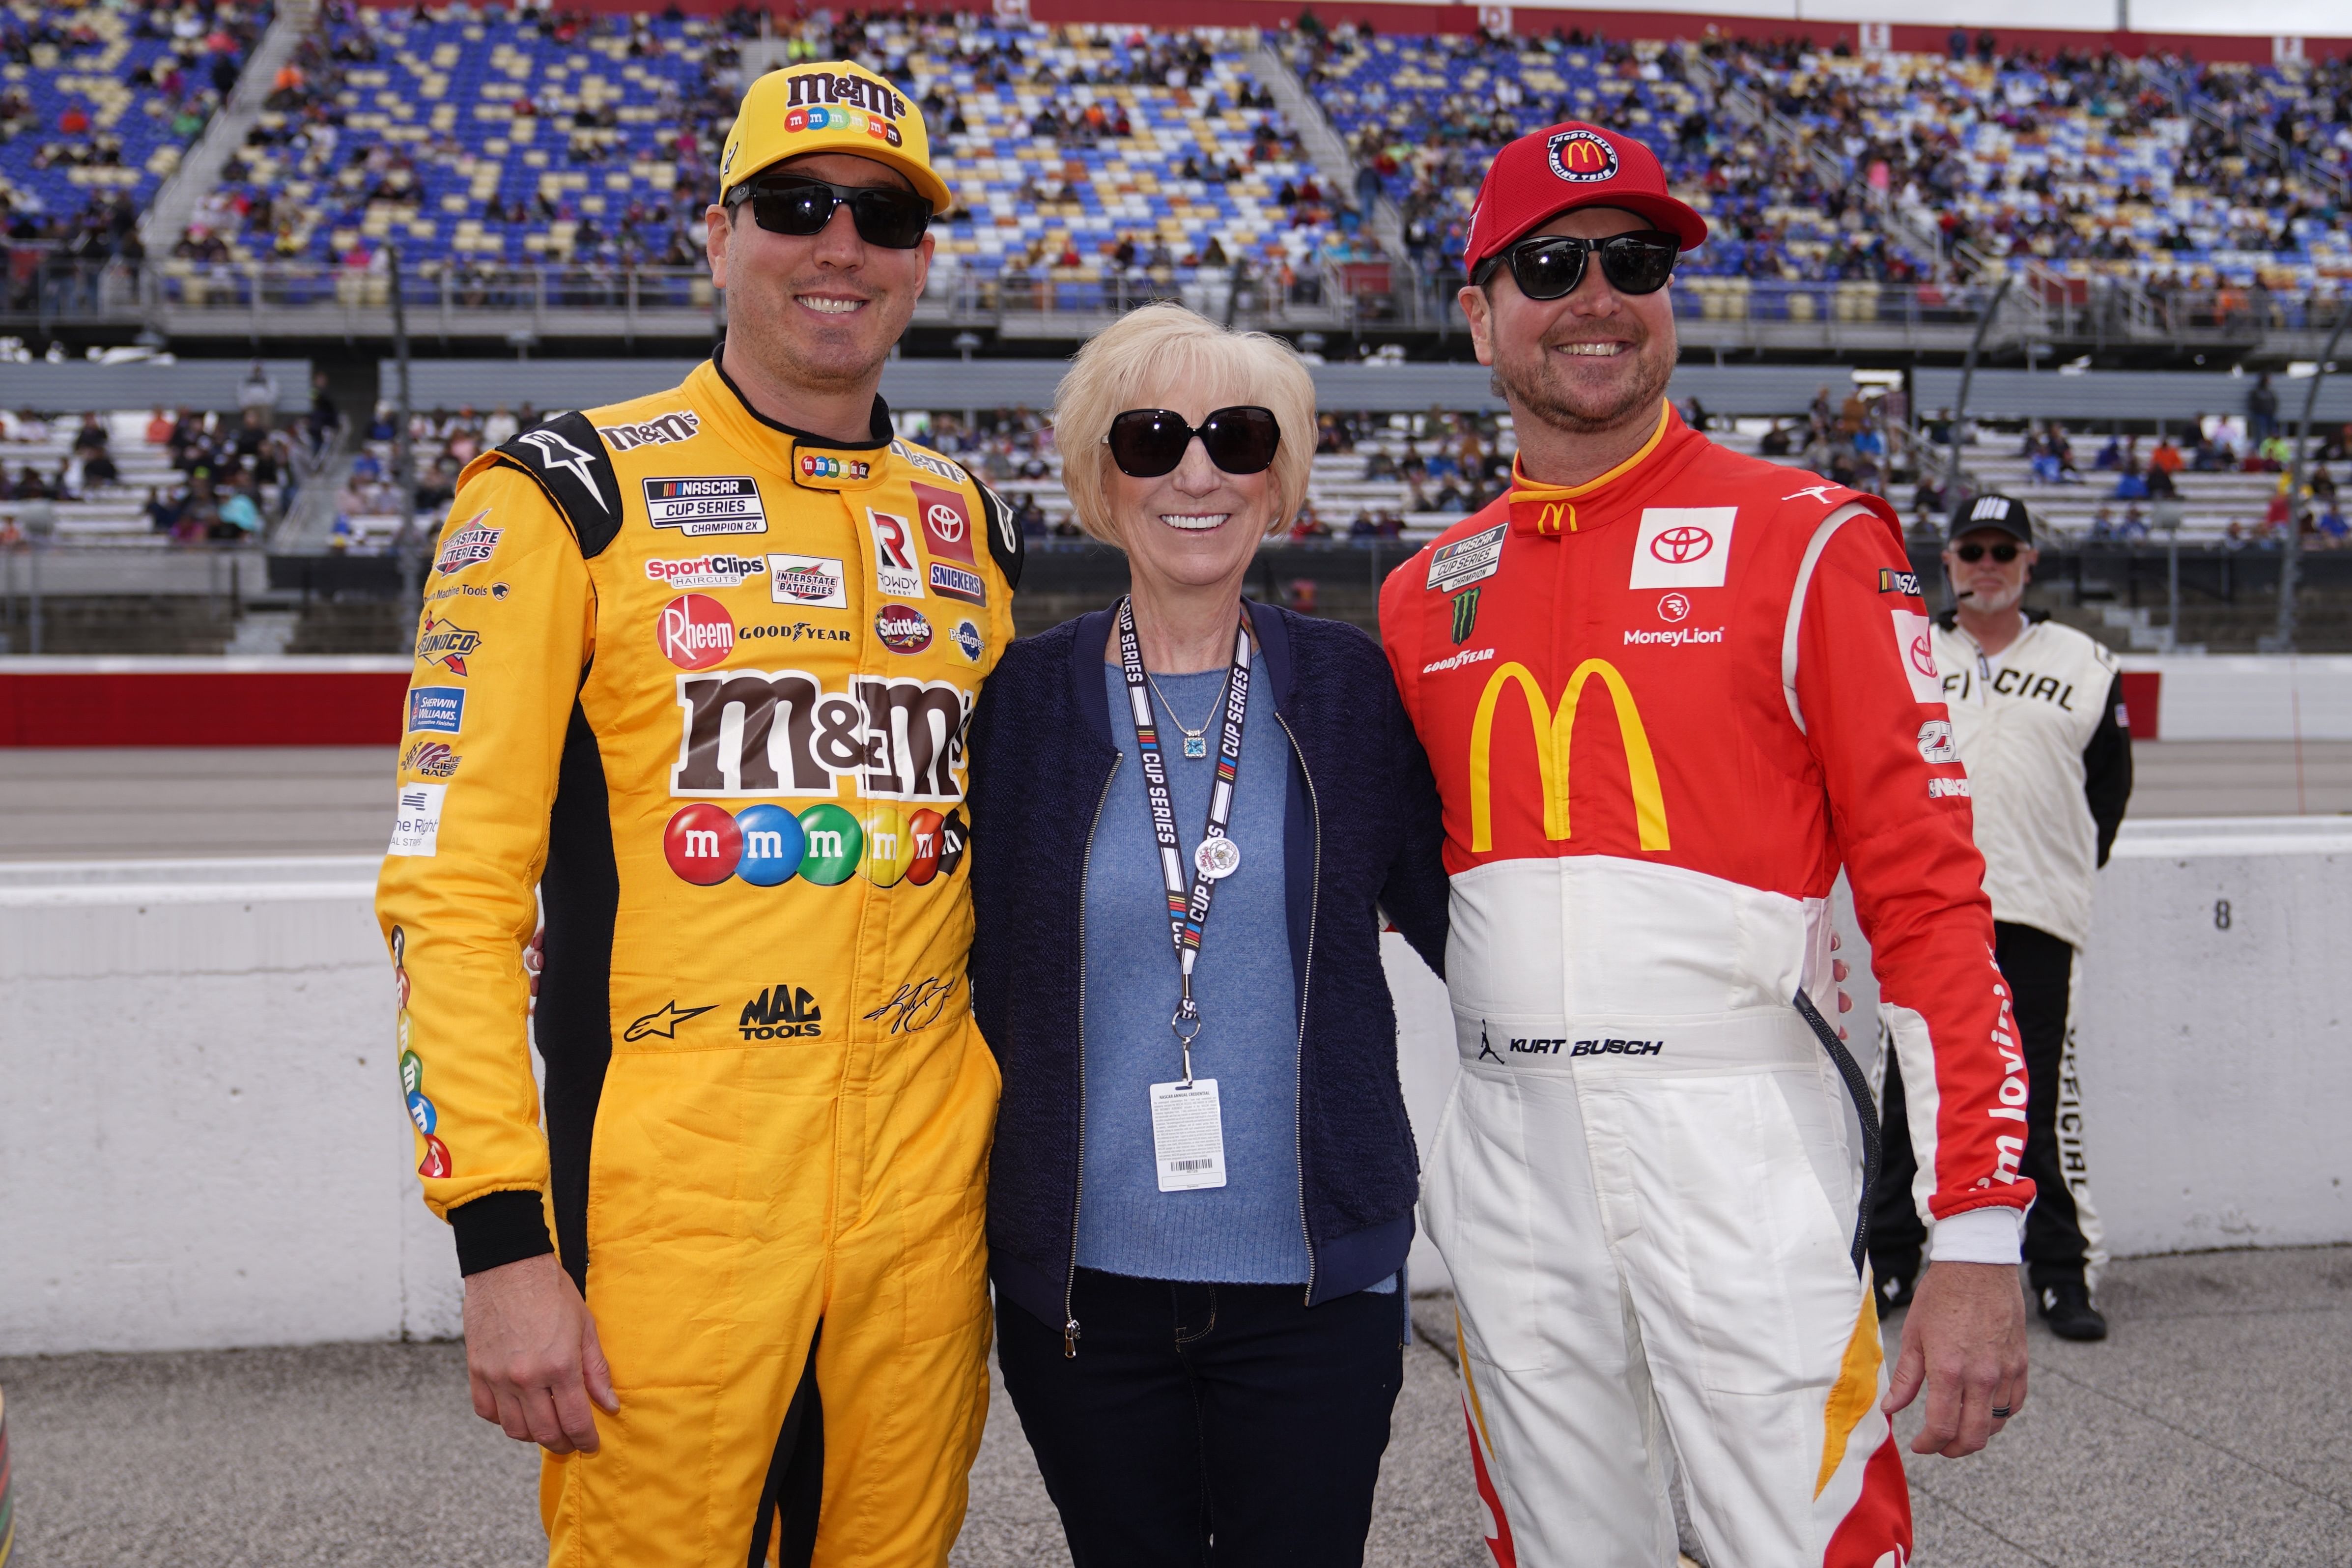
(446, 644)
(1583, 157)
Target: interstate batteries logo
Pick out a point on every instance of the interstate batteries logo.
(469, 545)
(704, 505)
(810, 582)
(446, 643)
(717, 571)
(824, 845)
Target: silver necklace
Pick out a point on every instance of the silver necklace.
(1196, 742)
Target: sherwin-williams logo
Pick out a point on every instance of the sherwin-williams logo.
(1582, 157)
(441, 709)
(694, 631)
(825, 845)
(446, 644)
(902, 629)
(1554, 734)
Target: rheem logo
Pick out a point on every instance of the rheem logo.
(694, 631)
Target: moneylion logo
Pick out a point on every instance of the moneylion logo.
(1553, 732)
(1583, 157)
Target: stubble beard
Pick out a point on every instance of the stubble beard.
(1533, 389)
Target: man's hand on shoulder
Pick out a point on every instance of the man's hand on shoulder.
(1965, 1343)
(531, 1355)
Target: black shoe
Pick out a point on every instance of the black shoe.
(2067, 1309)
(1897, 1283)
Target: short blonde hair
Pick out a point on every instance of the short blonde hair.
(1150, 352)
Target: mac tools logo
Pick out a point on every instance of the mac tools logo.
(1582, 157)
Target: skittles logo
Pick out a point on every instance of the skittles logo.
(902, 628)
(767, 846)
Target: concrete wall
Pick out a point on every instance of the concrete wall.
(2250, 697)
(201, 1142)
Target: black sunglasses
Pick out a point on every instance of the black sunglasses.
(1148, 442)
(1553, 265)
(1972, 553)
(798, 205)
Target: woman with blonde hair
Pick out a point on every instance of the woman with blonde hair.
(1190, 814)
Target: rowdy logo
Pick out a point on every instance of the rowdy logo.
(894, 556)
(443, 642)
(694, 631)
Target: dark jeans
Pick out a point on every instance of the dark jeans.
(1219, 1425)
(2039, 969)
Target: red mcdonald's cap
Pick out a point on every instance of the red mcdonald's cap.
(1547, 173)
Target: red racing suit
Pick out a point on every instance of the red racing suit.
(1664, 709)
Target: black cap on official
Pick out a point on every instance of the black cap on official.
(1989, 510)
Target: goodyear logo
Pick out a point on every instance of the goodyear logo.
(1554, 730)
(814, 466)
(1582, 157)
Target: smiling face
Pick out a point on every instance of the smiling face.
(1991, 587)
(1196, 526)
(823, 311)
(1590, 361)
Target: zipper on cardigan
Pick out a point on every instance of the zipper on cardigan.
(1305, 979)
(1078, 1193)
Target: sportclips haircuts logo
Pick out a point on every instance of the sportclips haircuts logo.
(1553, 732)
(756, 732)
(1582, 157)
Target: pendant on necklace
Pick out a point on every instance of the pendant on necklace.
(1196, 745)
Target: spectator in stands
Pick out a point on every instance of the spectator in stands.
(258, 393)
(1272, 1397)
(2262, 409)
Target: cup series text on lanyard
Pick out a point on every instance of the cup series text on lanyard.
(1218, 856)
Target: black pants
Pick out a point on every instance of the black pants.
(1220, 1424)
(2039, 969)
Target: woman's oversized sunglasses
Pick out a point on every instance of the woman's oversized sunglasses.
(1148, 442)
(1552, 265)
(798, 205)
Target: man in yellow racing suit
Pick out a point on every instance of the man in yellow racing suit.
(696, 669)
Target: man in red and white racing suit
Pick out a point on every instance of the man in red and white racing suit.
(1668, 691)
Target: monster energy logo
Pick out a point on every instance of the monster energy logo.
(1466, 614)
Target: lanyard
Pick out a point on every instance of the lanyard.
(1188, 904)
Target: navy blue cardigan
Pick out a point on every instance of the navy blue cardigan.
(1362, 839)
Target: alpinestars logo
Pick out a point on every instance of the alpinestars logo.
(555, 452)
(663, 1023)
(782, 1013)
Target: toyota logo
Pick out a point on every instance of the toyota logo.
(1922, 656)
(1680, 546)
(946, 521)
(1673, 607)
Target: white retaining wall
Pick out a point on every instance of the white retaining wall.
(202, 1145)
(2250, 697)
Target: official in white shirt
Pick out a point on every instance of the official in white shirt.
(2038, 719)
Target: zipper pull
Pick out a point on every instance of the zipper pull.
(1070, 1340)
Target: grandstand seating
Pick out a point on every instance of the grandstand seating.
(97, 101)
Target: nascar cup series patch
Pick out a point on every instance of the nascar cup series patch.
(699, 506)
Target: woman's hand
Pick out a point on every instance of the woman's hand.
(534, 959)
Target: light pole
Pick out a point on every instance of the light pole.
(2291, 555)
(403, 455)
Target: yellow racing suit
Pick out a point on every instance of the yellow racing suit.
(701, 681)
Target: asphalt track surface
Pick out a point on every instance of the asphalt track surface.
(164, 803)
(2214, 1428)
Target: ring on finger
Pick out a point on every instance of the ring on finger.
(2001, 1412)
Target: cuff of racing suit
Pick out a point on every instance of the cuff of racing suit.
(498, 1228)
(1989, 1234)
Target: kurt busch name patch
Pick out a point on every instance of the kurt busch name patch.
(703, 506)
